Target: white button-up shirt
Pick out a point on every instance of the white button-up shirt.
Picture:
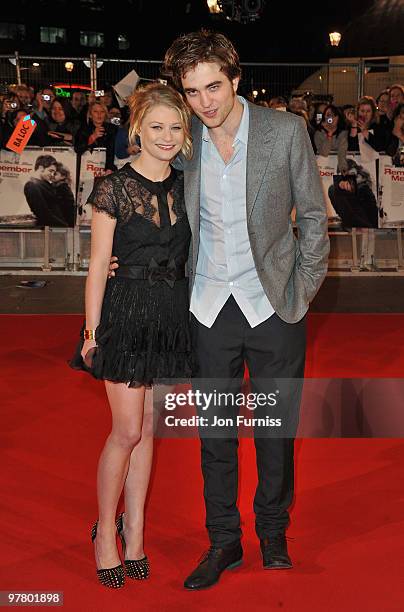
(225, 263)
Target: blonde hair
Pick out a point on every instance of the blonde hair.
(153, 94)
(96, 103)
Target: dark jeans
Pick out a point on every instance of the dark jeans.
(273, 349)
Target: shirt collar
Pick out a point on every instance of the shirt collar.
(242, 132)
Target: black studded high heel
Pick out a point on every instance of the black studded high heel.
(138, 569)
(113, 577)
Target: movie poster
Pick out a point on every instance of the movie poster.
(37, 187)
(392, 194)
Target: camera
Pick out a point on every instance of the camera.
(99, 93)
(329, 119)
(116, 120)
(46, 97)
(318, 117)
(13, 104)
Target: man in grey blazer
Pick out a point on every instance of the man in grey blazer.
(251, 279)
(251, 282)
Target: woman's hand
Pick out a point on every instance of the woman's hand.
(87, 352)
(363, 128)
(98, 133)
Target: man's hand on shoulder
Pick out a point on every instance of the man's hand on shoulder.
(113, 265)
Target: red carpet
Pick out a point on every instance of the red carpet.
(346, 537)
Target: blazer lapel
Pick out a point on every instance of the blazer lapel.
(259, 151)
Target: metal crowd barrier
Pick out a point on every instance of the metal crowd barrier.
(67, 251)
(345, 81)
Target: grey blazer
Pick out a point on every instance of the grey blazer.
(281, 173)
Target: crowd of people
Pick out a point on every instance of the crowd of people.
(83, 122)
(377, 122)
(87, 122)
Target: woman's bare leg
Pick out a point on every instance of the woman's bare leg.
(127, 418)
(137, 482)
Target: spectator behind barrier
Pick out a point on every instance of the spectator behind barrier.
(382, 102)
(10, 103)
(278, 103)
(331, 135)
(396, 97)
(297, 103)
(115, 116)
(365, 120)
(61, 130)
(24, 95)
(316, 113)
(97, 133)
(122, 147)
(108, 99)
(78, 107)
(42, 103)
(396, 144)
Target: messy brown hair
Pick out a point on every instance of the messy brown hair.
(153, 94)
(191, 49)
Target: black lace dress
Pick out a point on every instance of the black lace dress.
(143, 336)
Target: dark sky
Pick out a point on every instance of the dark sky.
(287, 31)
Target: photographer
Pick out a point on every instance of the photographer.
(42, 104)
(331, 136)
(98, 133)
(10, 104)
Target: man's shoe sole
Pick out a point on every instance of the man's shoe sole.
(277, 567)
(229, 567)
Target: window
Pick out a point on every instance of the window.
(12, 31)
(123, 42)
(91, 39)
(53, 35)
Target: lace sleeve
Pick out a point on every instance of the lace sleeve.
(102, 198)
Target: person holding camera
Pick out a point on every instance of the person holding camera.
(365, 126)
(331, 136)
(98, 133)
(42, 104)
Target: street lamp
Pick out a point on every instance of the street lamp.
(335, 38)
(214, 7)
(69, 67)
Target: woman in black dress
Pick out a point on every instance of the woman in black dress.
(137, 331)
